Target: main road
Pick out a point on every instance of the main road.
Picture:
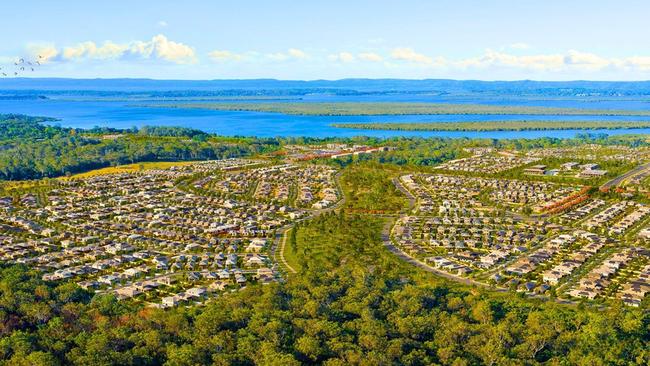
(621, 178)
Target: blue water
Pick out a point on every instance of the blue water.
(120, 114)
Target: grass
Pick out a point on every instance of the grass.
(291, 255)
(497, 125)
(394, 108)
(130, 168)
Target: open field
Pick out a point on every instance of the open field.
(397, 108)
(497, 125)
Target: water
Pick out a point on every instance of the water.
(121, 114)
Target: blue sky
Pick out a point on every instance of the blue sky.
(461, 39)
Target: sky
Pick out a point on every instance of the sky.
(333, 39)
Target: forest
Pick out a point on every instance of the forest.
(30, 149)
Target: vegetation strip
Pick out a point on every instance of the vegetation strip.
(498, 125)
(396, 108)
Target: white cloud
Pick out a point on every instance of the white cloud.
(223, 55)
(90, 50)
(279, 56)
(42, 53)
(408, 54)
(638, 62)
(341, 57)
(572, 60)
(159, 47)
(370, 56)
(171, 51)
(519, 46)
(494, 58)
(586, 60)
(292, 53)
(162, 23)
(296, 53)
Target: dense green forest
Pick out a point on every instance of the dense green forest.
(397, 108)
(352, 303)
(30, 149)
(497, 125)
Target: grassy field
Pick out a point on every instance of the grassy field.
(130, 168)
(291, 253)
(395, 108)
(497, 125)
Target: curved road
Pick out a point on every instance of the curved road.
(621, 178)
(385, 236)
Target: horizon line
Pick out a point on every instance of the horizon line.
(330, 80)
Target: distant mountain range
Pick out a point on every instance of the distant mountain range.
(342, 87)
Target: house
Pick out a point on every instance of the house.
(535, 170)
(196, 291)
(218, 286)
(127, 292)
(592, 173)
(256, 245)
(552, 277)
(569, 166)
(169, 301)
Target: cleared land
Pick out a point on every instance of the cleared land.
(395, 108)
(498, 125)
(130, 168)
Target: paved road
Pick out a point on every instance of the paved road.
(618, 180)
(406, 192)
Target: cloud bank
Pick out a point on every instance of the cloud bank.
(158, 47)
(513, 57)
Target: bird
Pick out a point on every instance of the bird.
(38, 62)
(15, 73)
(3, 74)
(29, 63)
(32, 69)
(22, 68)
(39, 56)
(21, 60)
